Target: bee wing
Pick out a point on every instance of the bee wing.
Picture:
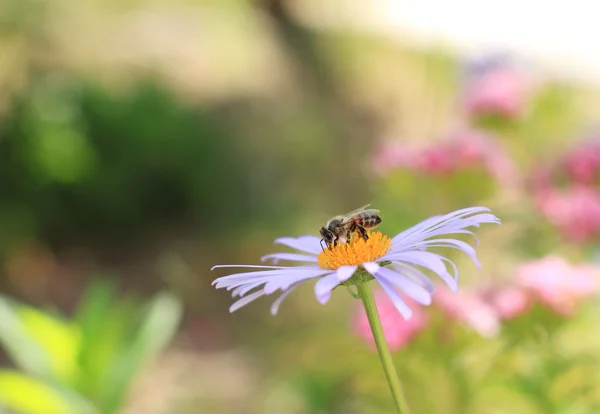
(348, 216)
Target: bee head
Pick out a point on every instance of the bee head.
(327, 236)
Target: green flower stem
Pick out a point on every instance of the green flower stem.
(368, 300)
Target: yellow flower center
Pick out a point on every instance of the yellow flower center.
(355, 252)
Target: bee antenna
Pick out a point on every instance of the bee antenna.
(321, 243)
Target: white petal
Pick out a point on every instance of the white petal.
(452, 244)
(249, 266)
(396, 299)
(246, 300)
(406, 285)
(242, 290)
(324, 287)
(428, 260)
(415, 274)
(289, 256)
(277, 302)
(371, 267)
(444, 225)
(309, 244)
(285, 282)
(225, 281)
(345, 272)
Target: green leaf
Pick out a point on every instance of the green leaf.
(93, 305)
(63, 152)
(59, 339)
(22, 348)
(96, 317)
(29, 395)
(156, 330)
(108, 327)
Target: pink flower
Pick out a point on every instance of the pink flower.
(583, 164)
(541, 178)
(435, 160)
(473, 148)
(496, 87)
(463, 149)
(483, 309)
(575, 212)
(509, 302)
(558, 284)
(393, 155)
(470, 308)
(398, 331)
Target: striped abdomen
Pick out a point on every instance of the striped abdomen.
(367, 220)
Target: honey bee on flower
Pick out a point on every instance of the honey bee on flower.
(399, 264)
(356, 221)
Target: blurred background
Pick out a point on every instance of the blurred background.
(143, 143)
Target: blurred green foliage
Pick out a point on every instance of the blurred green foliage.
(79, 162)
(86, 364)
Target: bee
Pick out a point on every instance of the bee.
(357, 221)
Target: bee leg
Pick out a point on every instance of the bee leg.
(362, 232)
(335, 241)
(353, 227)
